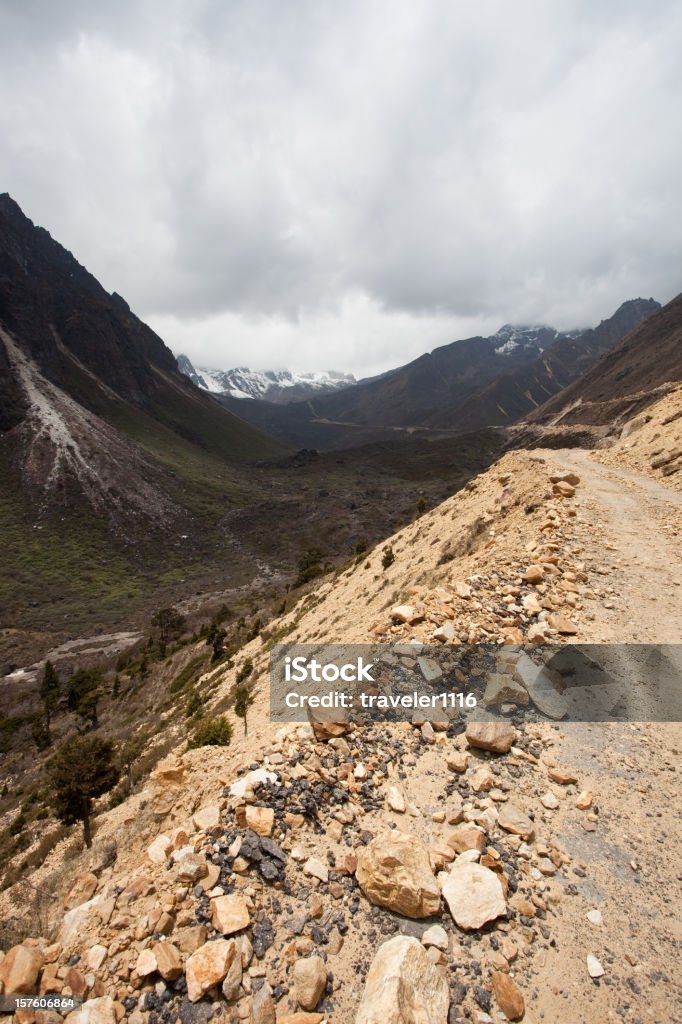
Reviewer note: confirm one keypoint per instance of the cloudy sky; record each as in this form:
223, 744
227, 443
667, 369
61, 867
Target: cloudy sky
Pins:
320, 184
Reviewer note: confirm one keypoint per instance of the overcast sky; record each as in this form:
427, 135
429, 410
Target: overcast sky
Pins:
345, 185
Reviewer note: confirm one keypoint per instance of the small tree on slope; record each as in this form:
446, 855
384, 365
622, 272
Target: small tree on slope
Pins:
82, 770
243, 699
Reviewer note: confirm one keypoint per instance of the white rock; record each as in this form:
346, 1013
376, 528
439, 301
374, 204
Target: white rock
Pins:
594, 968
435, 936
316, 868
404, 987
248, 782
474, 894
595, 918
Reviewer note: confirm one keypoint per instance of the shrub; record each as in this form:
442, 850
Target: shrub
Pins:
245, 671
388, 557
212, 732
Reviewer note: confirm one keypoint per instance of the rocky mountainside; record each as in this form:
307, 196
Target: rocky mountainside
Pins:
631, 376
478, 381
278, 386
318, 873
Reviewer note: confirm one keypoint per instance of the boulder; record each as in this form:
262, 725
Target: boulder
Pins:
310, 981
495, 736
406, 613
168, 960
94, 1011
394, 871
474, 895
82, 889
230, 914
263, 1006
146, 963
541, 684
207, 967
260, 820
513, 820
190, 866
20, 969
502, 689
206, 818
404, 986
160, 849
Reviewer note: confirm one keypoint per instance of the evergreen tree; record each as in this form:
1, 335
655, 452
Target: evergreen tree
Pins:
243, 699
49, 695
82, 770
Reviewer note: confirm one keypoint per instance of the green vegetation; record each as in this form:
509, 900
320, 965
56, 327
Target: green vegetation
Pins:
245, 671
243, 699
83, 694
82, 770
212, 732
387, 557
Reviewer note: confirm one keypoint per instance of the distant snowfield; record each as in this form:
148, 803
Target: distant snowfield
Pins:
245, 383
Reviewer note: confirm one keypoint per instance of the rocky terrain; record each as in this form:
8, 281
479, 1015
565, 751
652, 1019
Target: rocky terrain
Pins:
426, 871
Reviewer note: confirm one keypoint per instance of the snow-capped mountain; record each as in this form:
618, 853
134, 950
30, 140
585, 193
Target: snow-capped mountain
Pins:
280, 386
527, 340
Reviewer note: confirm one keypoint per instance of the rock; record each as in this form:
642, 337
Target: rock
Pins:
541, 684
430, 669
584, 800
82, 890
563, 489
458, 761
503, 689
445, 634
146, 963
463, 590
324, 731
436, 936
263, 1006
404, 987
310, 981
260, 820
495, 736
206, 818
396, 800
549, 800
595, 918
562, 776
233, 978
20, 969
95, 1011
406, 613
189, 866
531, 604
594, 968
394, 871
508, 995
568, 478
207, 967
249, 782
96, 956
466, 837
513, 820
534, 574
230, 914
562, 625
316, 868
168, 960
474, 895
160, 849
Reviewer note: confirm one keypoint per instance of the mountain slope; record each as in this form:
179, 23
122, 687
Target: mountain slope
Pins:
626, 380
517, 392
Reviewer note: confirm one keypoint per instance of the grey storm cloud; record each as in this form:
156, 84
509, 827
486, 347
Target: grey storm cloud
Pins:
320, 184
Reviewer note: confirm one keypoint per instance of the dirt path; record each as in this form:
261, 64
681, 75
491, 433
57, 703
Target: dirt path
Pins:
636, 524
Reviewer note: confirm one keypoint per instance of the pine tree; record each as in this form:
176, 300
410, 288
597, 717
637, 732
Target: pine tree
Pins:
49, 695
82, 770
243, 699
